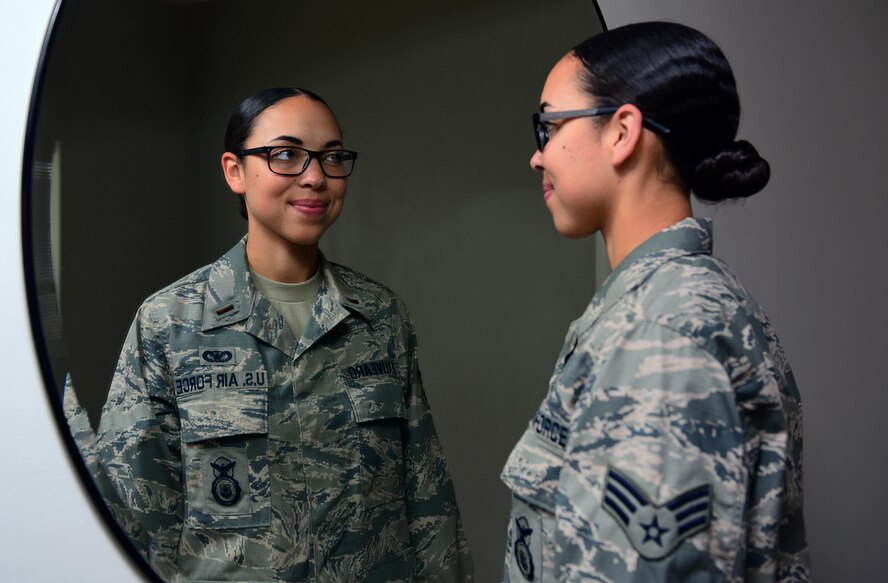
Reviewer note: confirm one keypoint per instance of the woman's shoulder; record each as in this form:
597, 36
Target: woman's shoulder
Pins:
226, 273
684, 279
699, 296
185, 285
186, 293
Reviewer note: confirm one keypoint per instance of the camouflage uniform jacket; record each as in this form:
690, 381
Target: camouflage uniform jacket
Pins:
246, 454
668, 447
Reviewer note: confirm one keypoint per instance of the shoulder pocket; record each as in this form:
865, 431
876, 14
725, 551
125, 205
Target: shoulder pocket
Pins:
373, 402
224, 451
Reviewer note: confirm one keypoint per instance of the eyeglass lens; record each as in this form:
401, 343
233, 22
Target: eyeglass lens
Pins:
292, 160
541, 132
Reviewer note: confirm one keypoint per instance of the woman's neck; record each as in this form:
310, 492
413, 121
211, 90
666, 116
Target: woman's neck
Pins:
639, 214
283, 262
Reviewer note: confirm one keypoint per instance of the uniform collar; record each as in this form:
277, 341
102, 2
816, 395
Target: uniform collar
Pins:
336, 293
230, 292
690, 236
231, 298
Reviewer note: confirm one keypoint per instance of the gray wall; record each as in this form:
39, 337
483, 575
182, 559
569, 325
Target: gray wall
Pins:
443, 207
812, 245
112, 103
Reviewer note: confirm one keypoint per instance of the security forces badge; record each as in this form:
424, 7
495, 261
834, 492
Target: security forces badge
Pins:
524, 542
523, 556
226, 489
655, 530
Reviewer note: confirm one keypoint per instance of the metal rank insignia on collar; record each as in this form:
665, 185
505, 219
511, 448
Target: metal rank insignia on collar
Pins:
226, 490
655, 530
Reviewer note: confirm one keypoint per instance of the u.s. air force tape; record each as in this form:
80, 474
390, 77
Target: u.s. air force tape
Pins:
551, 430
655, 530
219, 380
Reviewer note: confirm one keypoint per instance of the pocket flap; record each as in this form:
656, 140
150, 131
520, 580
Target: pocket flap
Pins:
377, 401
219, 413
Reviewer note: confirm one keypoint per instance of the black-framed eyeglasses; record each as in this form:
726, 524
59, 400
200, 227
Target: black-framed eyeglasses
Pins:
541, 122
293, 160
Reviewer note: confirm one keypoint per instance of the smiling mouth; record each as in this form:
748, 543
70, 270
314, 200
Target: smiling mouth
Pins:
310, 207
309, 202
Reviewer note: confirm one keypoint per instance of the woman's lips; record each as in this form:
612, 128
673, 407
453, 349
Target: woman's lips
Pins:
547, 191
312, 208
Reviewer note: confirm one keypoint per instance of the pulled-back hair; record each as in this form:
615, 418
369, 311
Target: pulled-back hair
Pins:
679, 77
243, 120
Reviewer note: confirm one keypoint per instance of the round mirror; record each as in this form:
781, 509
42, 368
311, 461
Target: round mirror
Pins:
126, 195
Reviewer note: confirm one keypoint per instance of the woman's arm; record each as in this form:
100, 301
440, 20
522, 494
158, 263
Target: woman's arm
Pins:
138, 444
436, 533
656, 481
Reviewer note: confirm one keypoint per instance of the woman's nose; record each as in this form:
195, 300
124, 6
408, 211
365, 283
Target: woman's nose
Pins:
313, 176
536, 161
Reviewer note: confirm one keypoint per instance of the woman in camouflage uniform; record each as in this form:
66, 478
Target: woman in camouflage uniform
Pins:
266, 421
668, 447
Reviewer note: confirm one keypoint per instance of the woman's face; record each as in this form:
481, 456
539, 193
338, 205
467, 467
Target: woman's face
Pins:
291, 209
576, 171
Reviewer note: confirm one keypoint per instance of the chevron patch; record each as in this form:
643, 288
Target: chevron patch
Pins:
655, 530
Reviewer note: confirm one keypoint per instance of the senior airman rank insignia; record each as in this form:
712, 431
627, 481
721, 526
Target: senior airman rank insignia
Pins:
655, 530
226, 490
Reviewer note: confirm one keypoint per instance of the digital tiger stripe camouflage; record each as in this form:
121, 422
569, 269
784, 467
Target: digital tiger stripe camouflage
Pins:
669, 445
247, 454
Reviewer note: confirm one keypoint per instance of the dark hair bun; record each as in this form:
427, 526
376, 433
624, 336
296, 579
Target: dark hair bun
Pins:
736, 172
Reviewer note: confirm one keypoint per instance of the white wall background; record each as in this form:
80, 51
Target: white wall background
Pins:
50, 532
812, 245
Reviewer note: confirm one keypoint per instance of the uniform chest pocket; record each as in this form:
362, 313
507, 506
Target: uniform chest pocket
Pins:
380, 414
225, 458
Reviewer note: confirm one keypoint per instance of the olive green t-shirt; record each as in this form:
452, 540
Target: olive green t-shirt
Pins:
293, 301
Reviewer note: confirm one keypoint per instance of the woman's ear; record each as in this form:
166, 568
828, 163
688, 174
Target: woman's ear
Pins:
234, 173
627, 129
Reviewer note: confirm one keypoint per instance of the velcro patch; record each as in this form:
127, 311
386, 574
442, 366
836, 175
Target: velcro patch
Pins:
218, 356
373, 368
655, 530
226, 488
219, 380
550, 430
524, 553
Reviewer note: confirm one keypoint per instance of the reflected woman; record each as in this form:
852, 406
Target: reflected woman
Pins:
668, 447
266, 421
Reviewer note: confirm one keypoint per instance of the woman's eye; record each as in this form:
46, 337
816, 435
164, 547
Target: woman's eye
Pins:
284, 154
336, 157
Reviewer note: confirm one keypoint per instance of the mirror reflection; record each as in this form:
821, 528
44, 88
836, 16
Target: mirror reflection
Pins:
442, 207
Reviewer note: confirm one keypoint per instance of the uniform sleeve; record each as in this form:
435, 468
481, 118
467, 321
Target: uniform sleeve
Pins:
138, 445
655, 481
436, 532
85, 439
